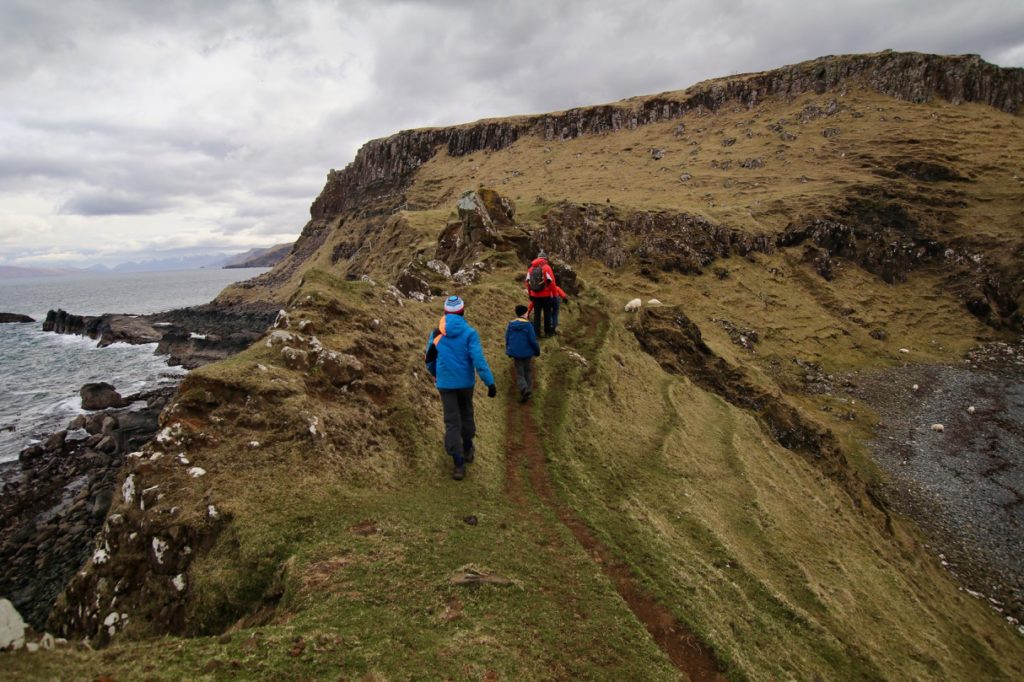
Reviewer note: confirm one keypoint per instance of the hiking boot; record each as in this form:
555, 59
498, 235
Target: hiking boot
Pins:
527, 393
469, 455
459, 472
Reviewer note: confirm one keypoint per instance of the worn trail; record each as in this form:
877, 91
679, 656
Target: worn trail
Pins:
524, 452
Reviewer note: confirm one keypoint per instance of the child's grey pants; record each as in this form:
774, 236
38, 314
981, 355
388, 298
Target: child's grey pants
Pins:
523, 378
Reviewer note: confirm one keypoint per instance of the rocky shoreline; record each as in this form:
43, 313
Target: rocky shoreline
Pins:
951, 441
190, 337
55, 497
53, 500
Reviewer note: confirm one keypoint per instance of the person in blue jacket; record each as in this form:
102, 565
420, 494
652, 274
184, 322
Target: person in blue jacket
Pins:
453, 353
521, 345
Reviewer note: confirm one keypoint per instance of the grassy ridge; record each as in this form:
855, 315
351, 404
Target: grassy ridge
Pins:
342, 558
753, 547
341, 547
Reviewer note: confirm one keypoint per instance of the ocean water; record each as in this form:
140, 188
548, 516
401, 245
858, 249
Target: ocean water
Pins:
41, 372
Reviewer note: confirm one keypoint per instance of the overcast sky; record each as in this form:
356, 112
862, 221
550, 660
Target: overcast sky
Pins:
145, 129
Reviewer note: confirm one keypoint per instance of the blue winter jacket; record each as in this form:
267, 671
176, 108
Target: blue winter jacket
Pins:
521, 339
458, 353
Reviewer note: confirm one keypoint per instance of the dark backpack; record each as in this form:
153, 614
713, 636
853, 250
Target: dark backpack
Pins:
535, 279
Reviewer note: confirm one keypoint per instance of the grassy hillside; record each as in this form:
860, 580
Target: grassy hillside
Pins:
679, 477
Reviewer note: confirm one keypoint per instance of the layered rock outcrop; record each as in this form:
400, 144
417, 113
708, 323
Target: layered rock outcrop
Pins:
662, 240
381, 169
896, 247
483, 216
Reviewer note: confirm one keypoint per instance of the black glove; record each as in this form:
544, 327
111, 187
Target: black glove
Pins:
492, 391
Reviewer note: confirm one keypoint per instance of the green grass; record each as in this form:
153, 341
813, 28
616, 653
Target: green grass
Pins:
752, 547
767, 559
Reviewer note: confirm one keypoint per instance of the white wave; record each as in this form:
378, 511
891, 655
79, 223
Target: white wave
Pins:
118, 345
69, 339
66, 406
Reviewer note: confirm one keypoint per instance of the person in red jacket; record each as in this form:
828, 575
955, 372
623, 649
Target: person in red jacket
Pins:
557, 300
556, 303
540, 285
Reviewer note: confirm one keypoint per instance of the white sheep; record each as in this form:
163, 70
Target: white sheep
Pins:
634, 305
938, 428
970, 410
653, 303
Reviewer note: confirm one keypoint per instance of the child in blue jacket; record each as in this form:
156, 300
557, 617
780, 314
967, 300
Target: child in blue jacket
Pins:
521, 345
453, 355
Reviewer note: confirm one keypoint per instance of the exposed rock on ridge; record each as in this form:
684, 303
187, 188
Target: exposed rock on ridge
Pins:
892, 250
382, 167
661, 240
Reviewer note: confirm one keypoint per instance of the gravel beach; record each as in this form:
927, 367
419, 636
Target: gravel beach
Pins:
963, 484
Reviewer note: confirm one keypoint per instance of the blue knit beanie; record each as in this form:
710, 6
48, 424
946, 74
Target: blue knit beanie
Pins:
454, 304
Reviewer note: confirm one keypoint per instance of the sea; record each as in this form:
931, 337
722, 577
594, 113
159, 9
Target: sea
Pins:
42, 372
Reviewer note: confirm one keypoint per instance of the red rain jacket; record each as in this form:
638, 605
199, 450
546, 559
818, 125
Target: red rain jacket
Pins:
549, 277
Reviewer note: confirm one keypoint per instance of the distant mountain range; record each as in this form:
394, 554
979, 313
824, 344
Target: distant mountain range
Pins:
253, 258
260, 258
11, 272
208, 260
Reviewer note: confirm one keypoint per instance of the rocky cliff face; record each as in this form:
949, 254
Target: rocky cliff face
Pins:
381, 169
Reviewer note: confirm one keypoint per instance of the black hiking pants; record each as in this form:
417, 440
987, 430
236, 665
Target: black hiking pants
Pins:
459, 427
543, 304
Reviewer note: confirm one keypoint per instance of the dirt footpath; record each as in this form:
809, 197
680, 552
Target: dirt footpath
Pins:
964, 485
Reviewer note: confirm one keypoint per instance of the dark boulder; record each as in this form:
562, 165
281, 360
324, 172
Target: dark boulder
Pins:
100, 396
31, 453
55, 442
63, 322
14, 317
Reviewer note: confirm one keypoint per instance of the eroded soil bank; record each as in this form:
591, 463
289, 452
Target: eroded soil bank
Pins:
964, 485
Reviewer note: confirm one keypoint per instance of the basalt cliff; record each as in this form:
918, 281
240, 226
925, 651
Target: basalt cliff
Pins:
738, 476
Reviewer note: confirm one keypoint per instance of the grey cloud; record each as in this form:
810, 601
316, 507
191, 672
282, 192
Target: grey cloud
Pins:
255, 158
103, 204
15, 166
